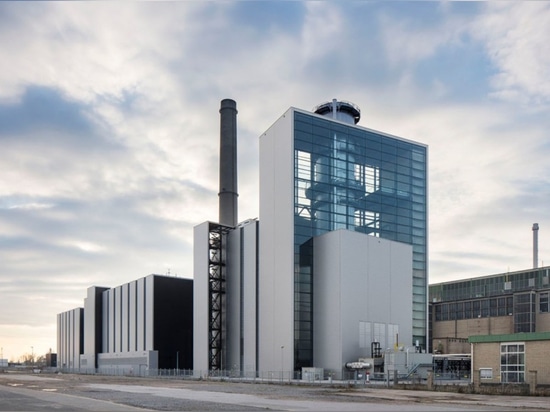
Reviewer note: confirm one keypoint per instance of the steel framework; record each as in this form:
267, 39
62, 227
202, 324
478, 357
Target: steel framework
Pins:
216, 292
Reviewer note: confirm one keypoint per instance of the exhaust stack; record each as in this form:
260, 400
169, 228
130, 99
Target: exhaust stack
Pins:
535, 245
228, 164
343, 111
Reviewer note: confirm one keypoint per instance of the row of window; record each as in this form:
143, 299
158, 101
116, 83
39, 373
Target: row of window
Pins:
353, 139
303, 208
502, 306
474, 309
355, 172
489, 286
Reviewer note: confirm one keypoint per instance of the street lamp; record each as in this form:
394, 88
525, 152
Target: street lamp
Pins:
32, 355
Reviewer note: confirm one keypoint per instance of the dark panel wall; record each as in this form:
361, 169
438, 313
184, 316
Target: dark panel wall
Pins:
173, 322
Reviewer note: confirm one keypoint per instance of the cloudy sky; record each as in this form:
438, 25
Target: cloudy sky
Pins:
109, 129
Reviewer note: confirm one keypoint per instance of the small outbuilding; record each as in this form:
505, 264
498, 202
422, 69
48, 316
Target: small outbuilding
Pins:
511, 358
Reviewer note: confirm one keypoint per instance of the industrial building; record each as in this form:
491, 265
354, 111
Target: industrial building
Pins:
511, 358
70, 338
501, 323
506, 303
337, 260
138, 327
333, 273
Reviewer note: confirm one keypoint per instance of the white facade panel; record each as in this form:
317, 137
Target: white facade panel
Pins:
241, 297
93, 326
70, 345
139, 363
125, 314
363, 291
276, 254
89, 322
200, 297
140, 327
133, 313
234, 300
118, 318
249, 290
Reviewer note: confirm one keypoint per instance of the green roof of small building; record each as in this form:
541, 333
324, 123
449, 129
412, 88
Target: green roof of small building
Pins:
511, 337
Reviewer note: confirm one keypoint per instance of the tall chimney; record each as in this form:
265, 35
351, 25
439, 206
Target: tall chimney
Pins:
535, 245
228, 163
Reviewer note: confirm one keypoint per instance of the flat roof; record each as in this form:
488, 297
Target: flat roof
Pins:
510, 337
485, 277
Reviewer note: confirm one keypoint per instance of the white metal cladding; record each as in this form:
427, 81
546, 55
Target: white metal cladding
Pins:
69, 325
133, 314
140, 318
200, 297
360, 281
241, 284
125, 314
128, 317
276, 250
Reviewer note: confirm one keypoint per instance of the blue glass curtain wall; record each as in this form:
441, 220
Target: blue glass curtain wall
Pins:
346, 177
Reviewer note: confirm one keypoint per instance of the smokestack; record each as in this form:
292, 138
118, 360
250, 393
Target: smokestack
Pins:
535, 245
228, 163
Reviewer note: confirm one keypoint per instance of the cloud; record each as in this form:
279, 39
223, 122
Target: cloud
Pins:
109, 126
516, 38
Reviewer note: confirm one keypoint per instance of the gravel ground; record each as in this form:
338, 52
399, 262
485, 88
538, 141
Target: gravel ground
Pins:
193, 395
87, 386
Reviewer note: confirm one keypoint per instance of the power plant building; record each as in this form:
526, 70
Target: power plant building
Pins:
333, 271
327, 187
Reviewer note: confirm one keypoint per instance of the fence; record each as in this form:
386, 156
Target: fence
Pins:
347, 377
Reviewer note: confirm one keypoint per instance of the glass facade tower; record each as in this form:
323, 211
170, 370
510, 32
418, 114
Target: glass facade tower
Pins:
349, 177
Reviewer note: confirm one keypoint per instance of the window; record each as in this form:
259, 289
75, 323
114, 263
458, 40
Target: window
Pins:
524, 312
543, 302
486, 373
512, 362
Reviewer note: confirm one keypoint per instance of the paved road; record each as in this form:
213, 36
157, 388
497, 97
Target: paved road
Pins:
99, 393
22, 399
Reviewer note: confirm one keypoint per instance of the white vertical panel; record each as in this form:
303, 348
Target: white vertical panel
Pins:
357, 280
249, 315
200, 297
133, 311
58, 333
327, 303
276, 287
118, 319
125, 326
112, 316
140, 304
71, 339
233, 300
380, 334
365, 335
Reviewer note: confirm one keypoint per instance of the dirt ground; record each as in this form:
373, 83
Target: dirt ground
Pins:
140, 392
